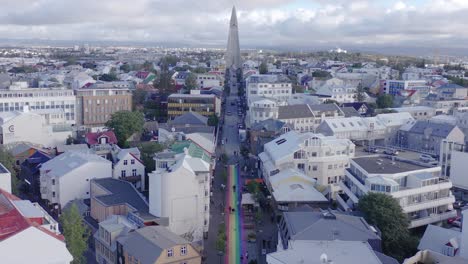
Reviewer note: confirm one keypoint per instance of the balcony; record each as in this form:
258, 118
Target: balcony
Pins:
432, 219
348, 192
428, 204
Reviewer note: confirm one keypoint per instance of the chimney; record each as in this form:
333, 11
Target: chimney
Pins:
464, 235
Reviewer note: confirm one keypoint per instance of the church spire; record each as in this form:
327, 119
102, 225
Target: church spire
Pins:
233, 58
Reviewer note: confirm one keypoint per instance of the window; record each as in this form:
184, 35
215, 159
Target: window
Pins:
314, 168
170, 253
53, 181
134, 172
53, 194
330, 167
183, 250
132, 161
125, 162
123, 173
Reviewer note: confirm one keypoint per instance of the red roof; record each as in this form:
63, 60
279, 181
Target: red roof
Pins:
12, 221
93, 138
142, 74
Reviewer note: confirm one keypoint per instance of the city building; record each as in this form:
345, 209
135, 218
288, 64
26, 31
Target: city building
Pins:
209, 80
265, 131
67, 177
26, 227
30, 174
117, 197
417, 112
274, 87
204, 104
427, 136
321, 158
335, 251
94, 106
446, 106
398, 87
452, 91
128, 166
105, 239
5, 178
27, 126
233, 55
453, 160
306, 117
420, 190
180, 192
155, 245
19, 95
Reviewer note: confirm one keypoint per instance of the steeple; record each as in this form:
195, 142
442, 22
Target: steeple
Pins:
233, 58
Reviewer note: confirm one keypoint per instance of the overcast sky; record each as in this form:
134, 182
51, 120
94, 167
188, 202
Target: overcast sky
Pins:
262, 23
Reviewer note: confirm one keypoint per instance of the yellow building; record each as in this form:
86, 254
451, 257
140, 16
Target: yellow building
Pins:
156, 245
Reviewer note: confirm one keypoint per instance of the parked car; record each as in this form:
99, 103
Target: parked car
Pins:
392, 152
426, 158
457, 223
458, 204
371, 149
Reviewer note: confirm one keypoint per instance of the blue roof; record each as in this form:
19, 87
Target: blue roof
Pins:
451, 86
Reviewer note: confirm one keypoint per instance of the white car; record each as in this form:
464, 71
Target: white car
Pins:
426, 158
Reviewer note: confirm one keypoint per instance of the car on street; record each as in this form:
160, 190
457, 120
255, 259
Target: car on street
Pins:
451, 220
228, 113
392, 152
233, 104
426, 158
457, 223
371, 149
240, 126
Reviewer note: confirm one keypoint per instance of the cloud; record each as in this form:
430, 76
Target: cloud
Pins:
262, 23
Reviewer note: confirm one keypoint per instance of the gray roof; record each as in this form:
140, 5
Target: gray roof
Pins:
386, 166
385, 259
123, 192
314, 226
435, 129
350, 111
273, 125
147, 243
189, 129
325, 107
294, 111
191, 118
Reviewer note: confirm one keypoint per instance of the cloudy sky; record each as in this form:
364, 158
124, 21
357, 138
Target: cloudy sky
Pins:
262, 23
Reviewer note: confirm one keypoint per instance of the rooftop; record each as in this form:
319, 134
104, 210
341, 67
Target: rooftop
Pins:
383, 165
69, 161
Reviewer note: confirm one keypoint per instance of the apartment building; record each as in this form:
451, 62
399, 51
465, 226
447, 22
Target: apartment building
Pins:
180, 192
155, 245
396, 87
306, 117
422, 193
446, 106
105, 239
319, 157
207, 80
453, 160
46, 100
276, 87
203, 104
94, 106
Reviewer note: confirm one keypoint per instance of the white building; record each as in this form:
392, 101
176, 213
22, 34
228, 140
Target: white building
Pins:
19, 95
261, 109
5, 178
319, 157
417, 112
67, 177
421, 192
396, 87
180, 192
129, 167
25, 126
305, 117
206, 80
276, 87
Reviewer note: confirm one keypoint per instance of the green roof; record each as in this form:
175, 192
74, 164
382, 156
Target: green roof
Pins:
193, 150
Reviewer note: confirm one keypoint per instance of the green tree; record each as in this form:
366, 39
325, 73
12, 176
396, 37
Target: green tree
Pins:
147, 151
75, 232
191, 81
7, 159
385, 212
125, 67
164, 83
125, 124
147, 66
330, 101
199, 70
321, 74
360, 93
108, 77
263, 68
384, 101
139, 97
213, 120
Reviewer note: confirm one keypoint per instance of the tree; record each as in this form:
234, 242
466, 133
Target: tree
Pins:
360, 93
147, 151
139, 97
385, 212
125, 124
125, 67
191, 81
75, 232
384, 101
108, 77
213, 120
7, 159
199, 70
165, 83
330, 101
321, 74
263, 68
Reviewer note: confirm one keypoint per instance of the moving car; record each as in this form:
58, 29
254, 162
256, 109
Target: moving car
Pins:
371, 149
392, 152
458, 204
